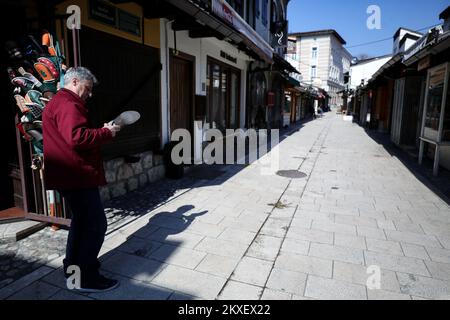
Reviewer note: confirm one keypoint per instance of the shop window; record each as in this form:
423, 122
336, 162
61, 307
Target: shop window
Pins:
287, 103
224, 100
215, 115
223, 95
446, 124
234, 100
258, 95
433, 112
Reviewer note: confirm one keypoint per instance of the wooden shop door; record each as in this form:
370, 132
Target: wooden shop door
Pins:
181, 91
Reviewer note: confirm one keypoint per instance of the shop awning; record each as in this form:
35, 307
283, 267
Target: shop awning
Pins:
223, 19
294, 82
283, 65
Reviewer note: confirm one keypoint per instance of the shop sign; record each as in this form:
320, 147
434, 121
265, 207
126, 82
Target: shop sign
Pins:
226, 56
222, 9
102, 12
437, 76
129, 23
426, 40
424, 63
106, 13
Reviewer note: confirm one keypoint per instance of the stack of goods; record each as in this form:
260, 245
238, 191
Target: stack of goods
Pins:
36, 71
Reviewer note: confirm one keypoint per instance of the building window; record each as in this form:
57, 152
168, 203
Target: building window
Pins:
313, 72
251, 13
314, 52
264, 12
257, 9
237, 6
292, 49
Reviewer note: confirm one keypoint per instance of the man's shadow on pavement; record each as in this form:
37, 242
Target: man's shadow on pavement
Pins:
145, 253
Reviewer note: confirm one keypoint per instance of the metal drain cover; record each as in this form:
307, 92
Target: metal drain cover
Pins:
292, 174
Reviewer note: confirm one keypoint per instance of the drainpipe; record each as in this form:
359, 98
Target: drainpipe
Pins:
166, 39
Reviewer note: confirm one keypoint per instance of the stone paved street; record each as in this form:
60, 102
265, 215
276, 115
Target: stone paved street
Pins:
18, 258
245, 235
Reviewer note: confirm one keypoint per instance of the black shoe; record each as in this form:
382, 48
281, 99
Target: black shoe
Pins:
99, 284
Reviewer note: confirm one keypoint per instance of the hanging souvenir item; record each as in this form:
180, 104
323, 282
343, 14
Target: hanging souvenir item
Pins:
35, 70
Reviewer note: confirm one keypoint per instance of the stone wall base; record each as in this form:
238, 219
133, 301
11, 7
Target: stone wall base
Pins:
123, 177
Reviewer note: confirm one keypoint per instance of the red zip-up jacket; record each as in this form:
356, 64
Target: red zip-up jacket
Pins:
72, 158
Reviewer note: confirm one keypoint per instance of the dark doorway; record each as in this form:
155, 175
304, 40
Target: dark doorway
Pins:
181, 91
11, 193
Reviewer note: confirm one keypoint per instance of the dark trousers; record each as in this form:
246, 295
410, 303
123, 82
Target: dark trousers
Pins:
87, 231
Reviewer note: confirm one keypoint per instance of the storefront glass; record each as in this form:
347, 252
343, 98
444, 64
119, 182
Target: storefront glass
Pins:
258, 93
433, 112
234, 100
215, 97
221, 118
298, 108
223, 94
446, 125
434, 102
287, 103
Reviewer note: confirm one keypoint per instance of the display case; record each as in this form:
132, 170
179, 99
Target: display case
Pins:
436, 116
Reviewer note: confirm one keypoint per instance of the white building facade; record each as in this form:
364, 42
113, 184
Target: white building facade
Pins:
362, 71
322, 60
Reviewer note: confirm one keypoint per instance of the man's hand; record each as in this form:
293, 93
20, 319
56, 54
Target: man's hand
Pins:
114, 128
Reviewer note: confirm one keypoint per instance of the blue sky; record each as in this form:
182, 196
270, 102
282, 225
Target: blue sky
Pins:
349, 19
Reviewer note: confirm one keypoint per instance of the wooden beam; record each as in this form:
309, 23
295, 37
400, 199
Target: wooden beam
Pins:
52, 220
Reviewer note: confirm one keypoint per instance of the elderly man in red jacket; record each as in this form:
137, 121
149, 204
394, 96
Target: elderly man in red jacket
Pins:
73, 165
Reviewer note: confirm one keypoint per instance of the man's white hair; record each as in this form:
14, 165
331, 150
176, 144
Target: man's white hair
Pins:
80, 73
